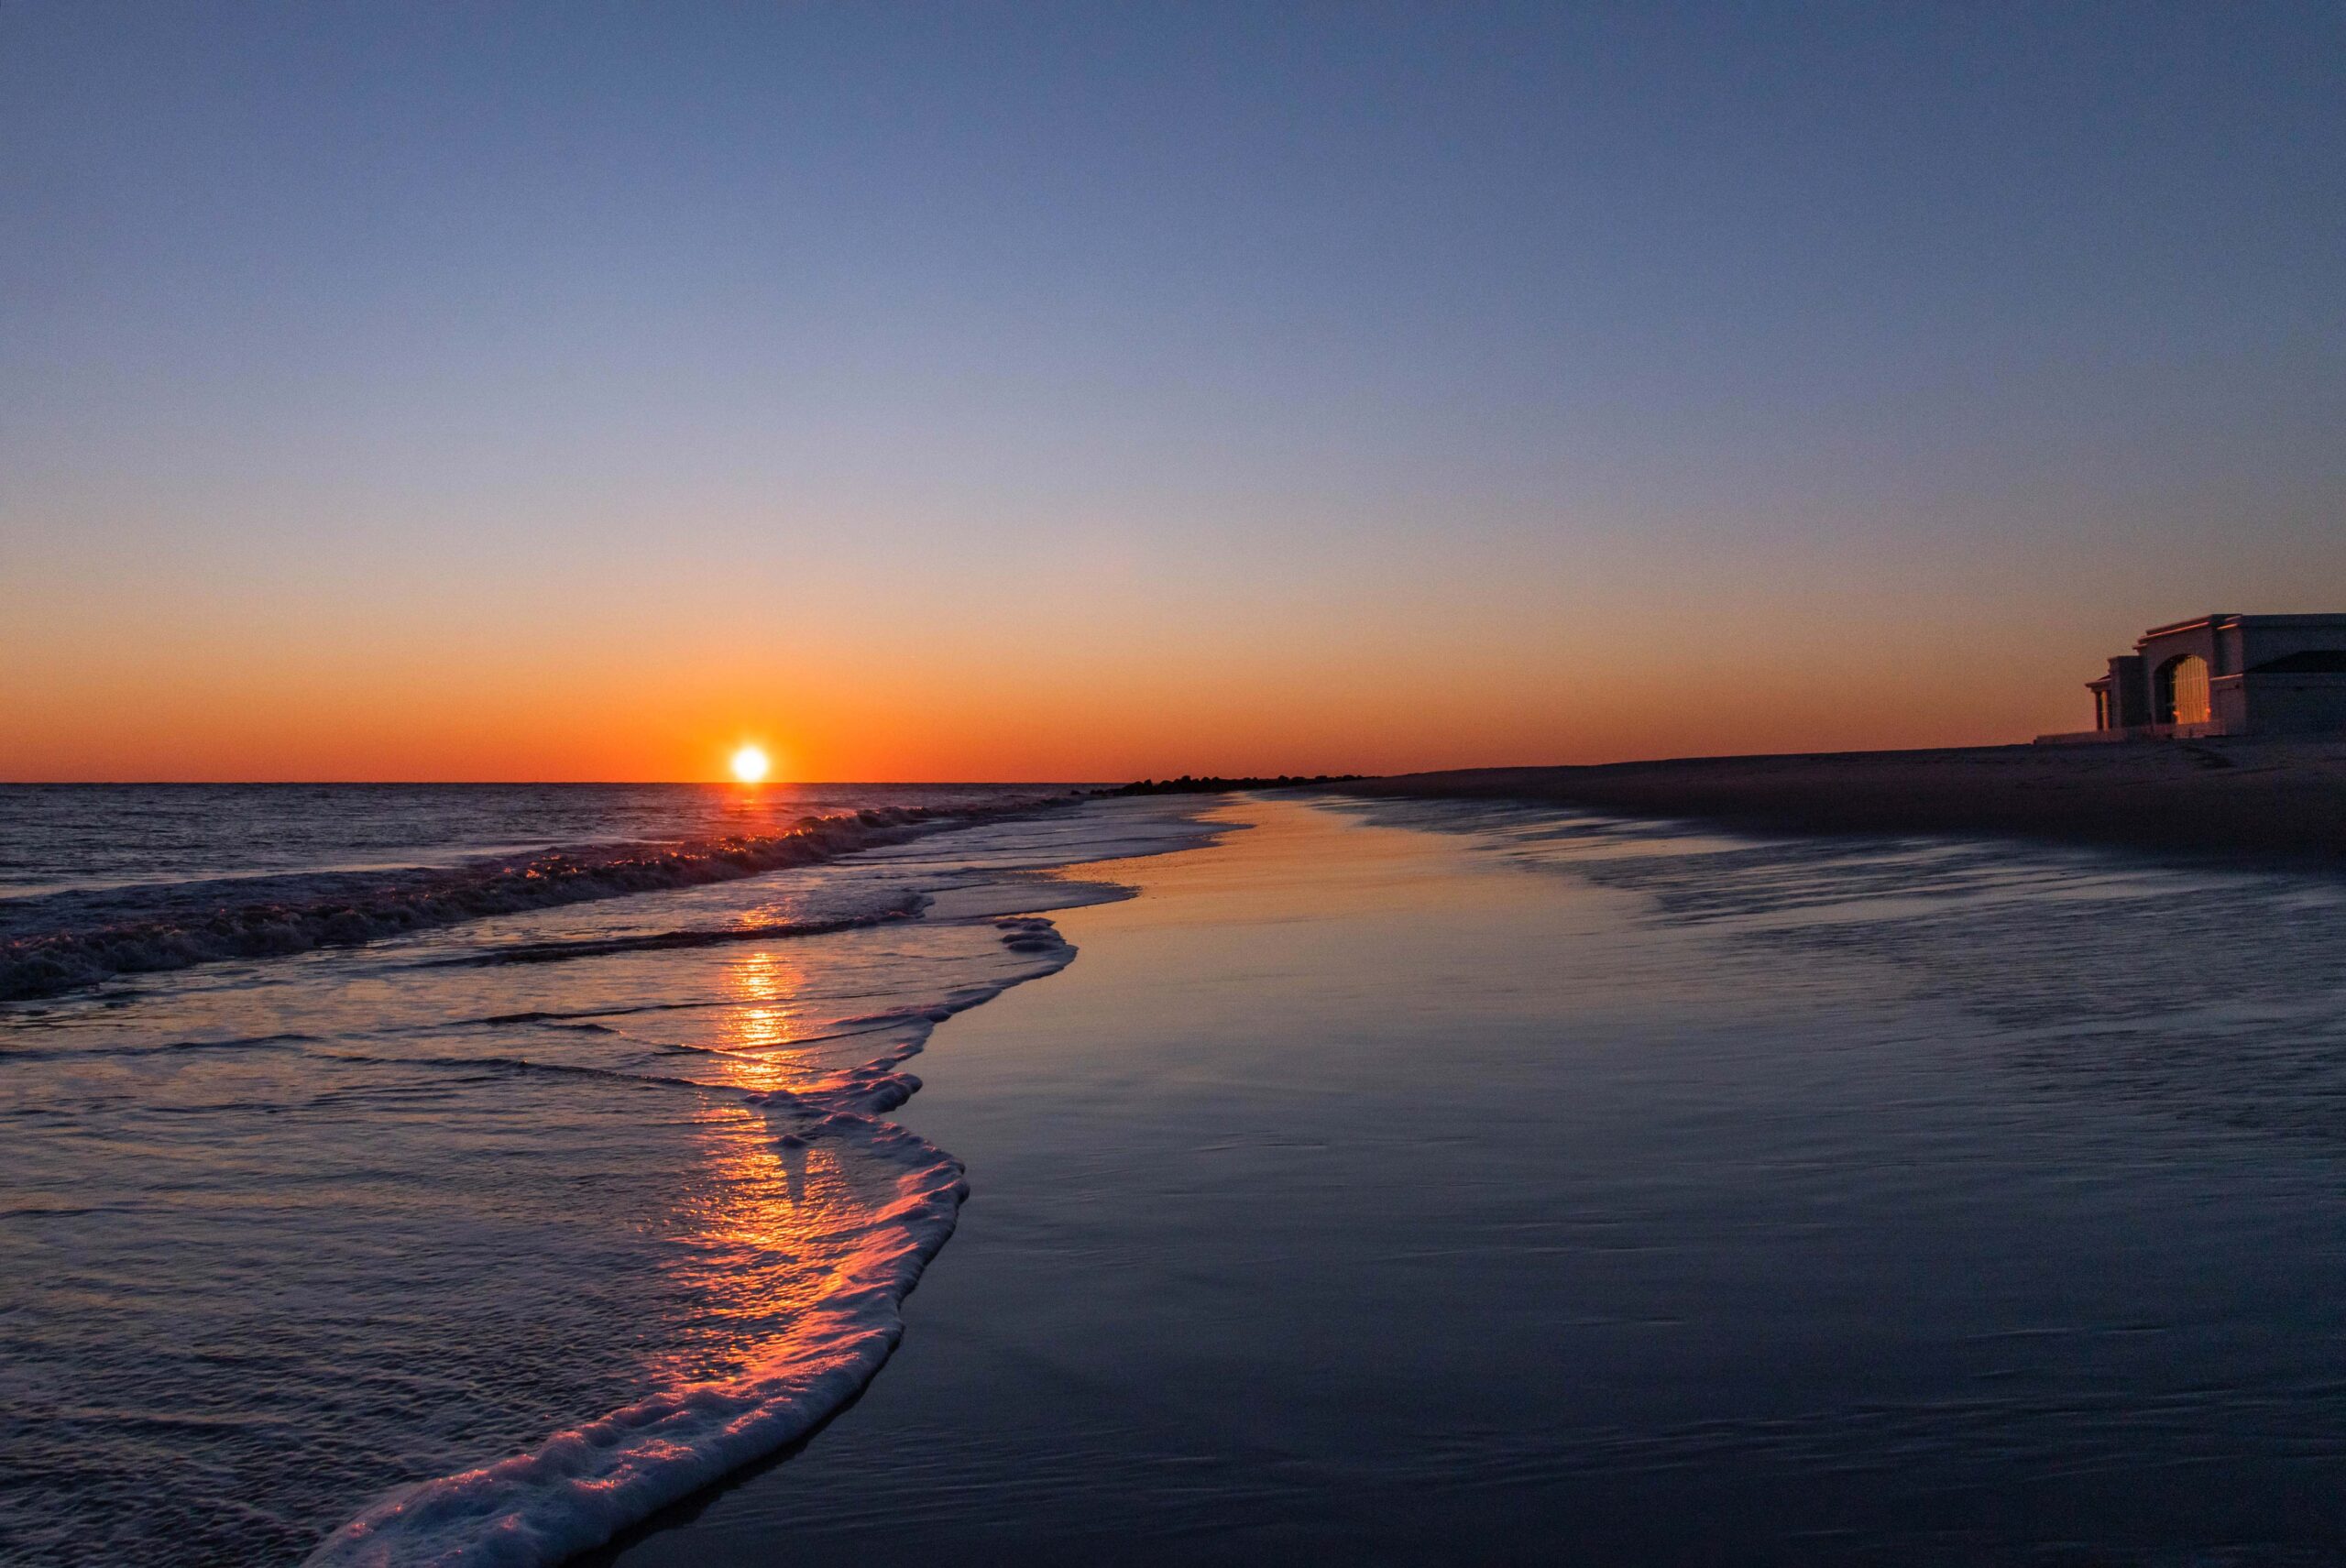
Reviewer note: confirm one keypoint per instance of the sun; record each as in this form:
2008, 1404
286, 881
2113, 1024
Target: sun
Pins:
749, 764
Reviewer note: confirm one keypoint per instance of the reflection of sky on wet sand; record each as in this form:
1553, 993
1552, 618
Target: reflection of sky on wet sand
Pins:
1441, 1196
2203, 993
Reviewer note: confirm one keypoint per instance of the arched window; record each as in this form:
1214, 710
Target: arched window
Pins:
2180, 690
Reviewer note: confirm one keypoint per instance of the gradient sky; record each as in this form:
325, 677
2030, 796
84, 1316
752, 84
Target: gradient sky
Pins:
463, 391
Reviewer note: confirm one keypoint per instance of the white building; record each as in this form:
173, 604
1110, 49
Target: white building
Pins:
2227, 674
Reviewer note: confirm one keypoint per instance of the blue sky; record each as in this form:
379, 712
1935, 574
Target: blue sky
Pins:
1705, 344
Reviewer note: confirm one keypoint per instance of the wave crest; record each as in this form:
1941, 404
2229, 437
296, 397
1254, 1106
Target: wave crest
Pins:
338, 910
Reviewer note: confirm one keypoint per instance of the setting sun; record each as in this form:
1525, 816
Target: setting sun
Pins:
749, 764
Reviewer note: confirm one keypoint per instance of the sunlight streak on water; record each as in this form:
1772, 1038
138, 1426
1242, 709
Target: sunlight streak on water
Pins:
290, 1234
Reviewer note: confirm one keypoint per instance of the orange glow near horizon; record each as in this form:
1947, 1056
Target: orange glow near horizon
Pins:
750, 765
1138, 692
1104, 724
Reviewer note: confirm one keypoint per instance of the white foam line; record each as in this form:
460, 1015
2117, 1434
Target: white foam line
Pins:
581, 1487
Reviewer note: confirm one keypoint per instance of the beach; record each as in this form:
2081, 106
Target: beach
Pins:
1001, 1177
741, 820
1404, 1181
2248, 800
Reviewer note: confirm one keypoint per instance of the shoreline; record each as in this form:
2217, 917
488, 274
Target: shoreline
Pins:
1358, 1197
2271, 802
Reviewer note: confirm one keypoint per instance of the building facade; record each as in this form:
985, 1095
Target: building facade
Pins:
2227, 674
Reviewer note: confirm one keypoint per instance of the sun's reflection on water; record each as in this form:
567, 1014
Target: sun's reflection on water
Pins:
763, 1233
768, 1220
764, 1020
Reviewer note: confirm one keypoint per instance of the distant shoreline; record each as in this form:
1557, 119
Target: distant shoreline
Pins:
2235, 801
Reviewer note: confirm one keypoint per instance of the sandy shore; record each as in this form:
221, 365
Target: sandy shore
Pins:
2236, 800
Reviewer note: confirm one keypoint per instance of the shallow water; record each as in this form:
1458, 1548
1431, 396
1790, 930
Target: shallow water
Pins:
288, 1235
1430, 1182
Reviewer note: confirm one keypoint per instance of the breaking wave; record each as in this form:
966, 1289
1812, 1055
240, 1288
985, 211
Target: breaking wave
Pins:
87, 942
691, 936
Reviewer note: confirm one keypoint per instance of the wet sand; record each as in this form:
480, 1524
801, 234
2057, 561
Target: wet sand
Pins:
2276, 801
1458, 1187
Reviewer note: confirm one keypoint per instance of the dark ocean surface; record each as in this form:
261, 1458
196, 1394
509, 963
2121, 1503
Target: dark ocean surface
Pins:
1394, 1183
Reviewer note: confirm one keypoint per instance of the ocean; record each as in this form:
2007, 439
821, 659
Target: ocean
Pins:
412, 1173
466, 1176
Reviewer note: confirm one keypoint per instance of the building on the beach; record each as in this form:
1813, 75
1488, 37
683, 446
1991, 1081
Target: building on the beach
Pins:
2226, 675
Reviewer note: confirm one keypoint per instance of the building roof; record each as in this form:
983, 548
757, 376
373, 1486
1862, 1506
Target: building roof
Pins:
2229, 618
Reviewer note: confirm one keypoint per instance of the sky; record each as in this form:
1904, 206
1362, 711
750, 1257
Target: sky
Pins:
935, 391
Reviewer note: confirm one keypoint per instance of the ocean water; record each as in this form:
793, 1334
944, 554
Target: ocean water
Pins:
417, 1174
1385, 1182
134, 879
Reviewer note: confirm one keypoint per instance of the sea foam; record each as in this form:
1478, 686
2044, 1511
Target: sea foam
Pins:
578, 1488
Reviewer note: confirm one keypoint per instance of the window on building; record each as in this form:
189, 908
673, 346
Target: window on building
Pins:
2180, 688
